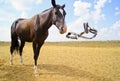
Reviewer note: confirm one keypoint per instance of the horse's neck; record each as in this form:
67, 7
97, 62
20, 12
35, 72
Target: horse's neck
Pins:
46, 18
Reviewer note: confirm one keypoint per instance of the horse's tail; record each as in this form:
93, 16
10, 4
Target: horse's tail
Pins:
14, 38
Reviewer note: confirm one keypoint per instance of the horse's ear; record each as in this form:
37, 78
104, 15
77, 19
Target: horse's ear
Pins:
53, 3
63, 6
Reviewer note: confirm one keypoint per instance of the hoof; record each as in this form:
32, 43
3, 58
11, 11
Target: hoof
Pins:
22, 63
35, 68
37, 74
11, 63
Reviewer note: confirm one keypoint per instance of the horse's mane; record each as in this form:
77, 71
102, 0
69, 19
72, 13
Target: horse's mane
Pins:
46, 10
42, 12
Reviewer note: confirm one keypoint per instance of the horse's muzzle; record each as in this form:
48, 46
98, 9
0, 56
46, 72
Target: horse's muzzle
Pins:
63, 30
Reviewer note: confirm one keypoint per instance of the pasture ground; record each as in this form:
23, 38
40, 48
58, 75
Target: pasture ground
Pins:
67, 61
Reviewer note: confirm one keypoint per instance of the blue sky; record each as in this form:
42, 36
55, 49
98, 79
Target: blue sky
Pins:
103, 15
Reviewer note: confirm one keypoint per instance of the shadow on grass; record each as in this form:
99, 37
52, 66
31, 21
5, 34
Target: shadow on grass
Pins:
16, 73
71, 72
25, 72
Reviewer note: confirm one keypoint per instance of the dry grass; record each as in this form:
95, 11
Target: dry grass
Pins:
68, 61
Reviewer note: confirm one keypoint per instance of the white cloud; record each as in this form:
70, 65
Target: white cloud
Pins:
97, 15
103, 34
38, 1
116, 8
117, 11
110, 33
22, 5
116, 25
110, 1
119, 34
76, 26
6, 19
4, 33
100, 4
24, 15
6, 16
3, 1
85, 14
81, 8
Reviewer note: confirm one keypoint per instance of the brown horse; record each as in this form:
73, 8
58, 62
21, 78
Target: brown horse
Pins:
35, 30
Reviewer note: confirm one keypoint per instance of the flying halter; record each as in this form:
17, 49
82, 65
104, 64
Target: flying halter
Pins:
87, 29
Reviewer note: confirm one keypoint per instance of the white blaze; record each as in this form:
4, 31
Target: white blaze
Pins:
61, 11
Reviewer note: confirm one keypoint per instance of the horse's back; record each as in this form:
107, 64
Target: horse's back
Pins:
22, 27
13, 26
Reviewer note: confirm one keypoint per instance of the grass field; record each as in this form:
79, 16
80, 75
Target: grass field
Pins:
66, 61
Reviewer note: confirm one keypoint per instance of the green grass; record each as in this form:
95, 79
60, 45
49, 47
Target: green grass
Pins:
64, 61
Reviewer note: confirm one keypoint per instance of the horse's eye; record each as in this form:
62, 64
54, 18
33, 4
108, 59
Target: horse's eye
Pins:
56, 13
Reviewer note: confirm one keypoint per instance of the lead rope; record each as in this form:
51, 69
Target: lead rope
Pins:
87, 30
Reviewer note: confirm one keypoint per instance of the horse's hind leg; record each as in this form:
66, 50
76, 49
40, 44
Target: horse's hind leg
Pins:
13, 47
11, 54
20, 51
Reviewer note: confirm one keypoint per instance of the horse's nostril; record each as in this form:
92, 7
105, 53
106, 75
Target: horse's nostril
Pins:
63, 30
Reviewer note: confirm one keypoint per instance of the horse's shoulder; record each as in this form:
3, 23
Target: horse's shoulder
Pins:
34, 17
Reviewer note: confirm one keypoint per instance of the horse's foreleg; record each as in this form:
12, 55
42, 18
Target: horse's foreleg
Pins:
20, 51
36, 48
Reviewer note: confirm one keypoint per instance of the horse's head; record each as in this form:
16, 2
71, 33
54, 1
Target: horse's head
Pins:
59, 17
